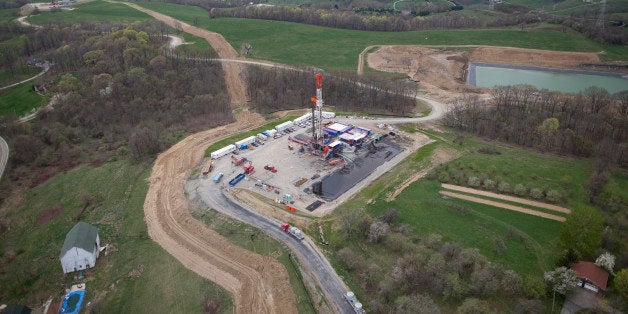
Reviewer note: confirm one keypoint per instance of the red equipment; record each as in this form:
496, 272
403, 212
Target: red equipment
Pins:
270, 168
247, 165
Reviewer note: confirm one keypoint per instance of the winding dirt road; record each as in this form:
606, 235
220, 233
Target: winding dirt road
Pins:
258, 284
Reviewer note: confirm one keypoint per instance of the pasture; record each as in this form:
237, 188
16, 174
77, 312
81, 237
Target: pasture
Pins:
338, 49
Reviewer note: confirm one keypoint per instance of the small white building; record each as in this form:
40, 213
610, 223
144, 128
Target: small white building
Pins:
80, 249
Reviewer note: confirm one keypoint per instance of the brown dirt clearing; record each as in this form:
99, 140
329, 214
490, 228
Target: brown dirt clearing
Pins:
506, 198
441, 72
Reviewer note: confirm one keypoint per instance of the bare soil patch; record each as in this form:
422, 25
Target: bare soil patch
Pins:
503, 205
442, 71
50, 213
506, 198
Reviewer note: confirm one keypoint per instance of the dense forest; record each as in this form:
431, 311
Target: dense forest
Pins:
278, 89
592, 124
116, 96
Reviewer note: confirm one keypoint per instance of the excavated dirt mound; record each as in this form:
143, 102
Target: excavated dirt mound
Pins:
442, 71
533, 57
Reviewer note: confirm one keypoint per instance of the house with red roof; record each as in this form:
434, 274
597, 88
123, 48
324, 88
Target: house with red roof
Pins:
592, 277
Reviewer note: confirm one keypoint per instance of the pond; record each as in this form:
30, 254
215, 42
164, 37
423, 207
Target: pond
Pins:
567, 81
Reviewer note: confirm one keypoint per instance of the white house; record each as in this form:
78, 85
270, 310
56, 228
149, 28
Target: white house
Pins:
80, 248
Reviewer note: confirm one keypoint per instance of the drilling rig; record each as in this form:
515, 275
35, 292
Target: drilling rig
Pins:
317, 109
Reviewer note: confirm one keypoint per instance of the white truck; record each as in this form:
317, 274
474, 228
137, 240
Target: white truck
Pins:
355, 304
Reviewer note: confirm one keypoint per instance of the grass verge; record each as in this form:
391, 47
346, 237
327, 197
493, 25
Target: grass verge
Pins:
235, 138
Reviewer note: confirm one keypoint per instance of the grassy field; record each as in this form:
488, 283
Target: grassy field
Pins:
7, 15
116, 210
93, 11
7, 78
307, 45
259, 242
529, 241
19, 100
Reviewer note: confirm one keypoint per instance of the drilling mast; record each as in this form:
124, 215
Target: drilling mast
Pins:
317, 109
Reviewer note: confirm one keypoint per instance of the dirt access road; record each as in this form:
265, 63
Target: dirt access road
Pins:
258, 284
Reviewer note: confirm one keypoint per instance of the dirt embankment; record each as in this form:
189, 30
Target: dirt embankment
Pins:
258, 284
442, 71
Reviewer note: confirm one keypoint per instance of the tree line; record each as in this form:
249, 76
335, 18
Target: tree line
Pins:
348, 19
593, 123
280, 89
118, 98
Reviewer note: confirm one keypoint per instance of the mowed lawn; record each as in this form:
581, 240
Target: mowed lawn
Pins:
137, 276
19, 100
330, 48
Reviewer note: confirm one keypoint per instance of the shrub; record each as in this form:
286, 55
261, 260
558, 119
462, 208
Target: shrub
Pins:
474, 181
443, 177
521, 189
536, 193
489, 184
350, 259
553, 196
503, 187
377, 231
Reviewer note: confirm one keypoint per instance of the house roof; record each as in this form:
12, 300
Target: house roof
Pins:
82, 235
592, 273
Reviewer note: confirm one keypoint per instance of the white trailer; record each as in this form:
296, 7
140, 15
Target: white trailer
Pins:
328, 114
246, 141
284, 126
271, 132
303, 118
262, 137
223, 151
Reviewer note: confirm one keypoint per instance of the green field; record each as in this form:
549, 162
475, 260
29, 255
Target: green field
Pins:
329, 48
529, 241
25, 72
93, 11
116, 209
19, 100
7, 15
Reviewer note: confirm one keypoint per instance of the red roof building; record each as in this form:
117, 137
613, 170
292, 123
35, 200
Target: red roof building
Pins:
592, 277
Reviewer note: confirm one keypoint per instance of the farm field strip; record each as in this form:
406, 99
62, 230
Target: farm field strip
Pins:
506, 198
503, 205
